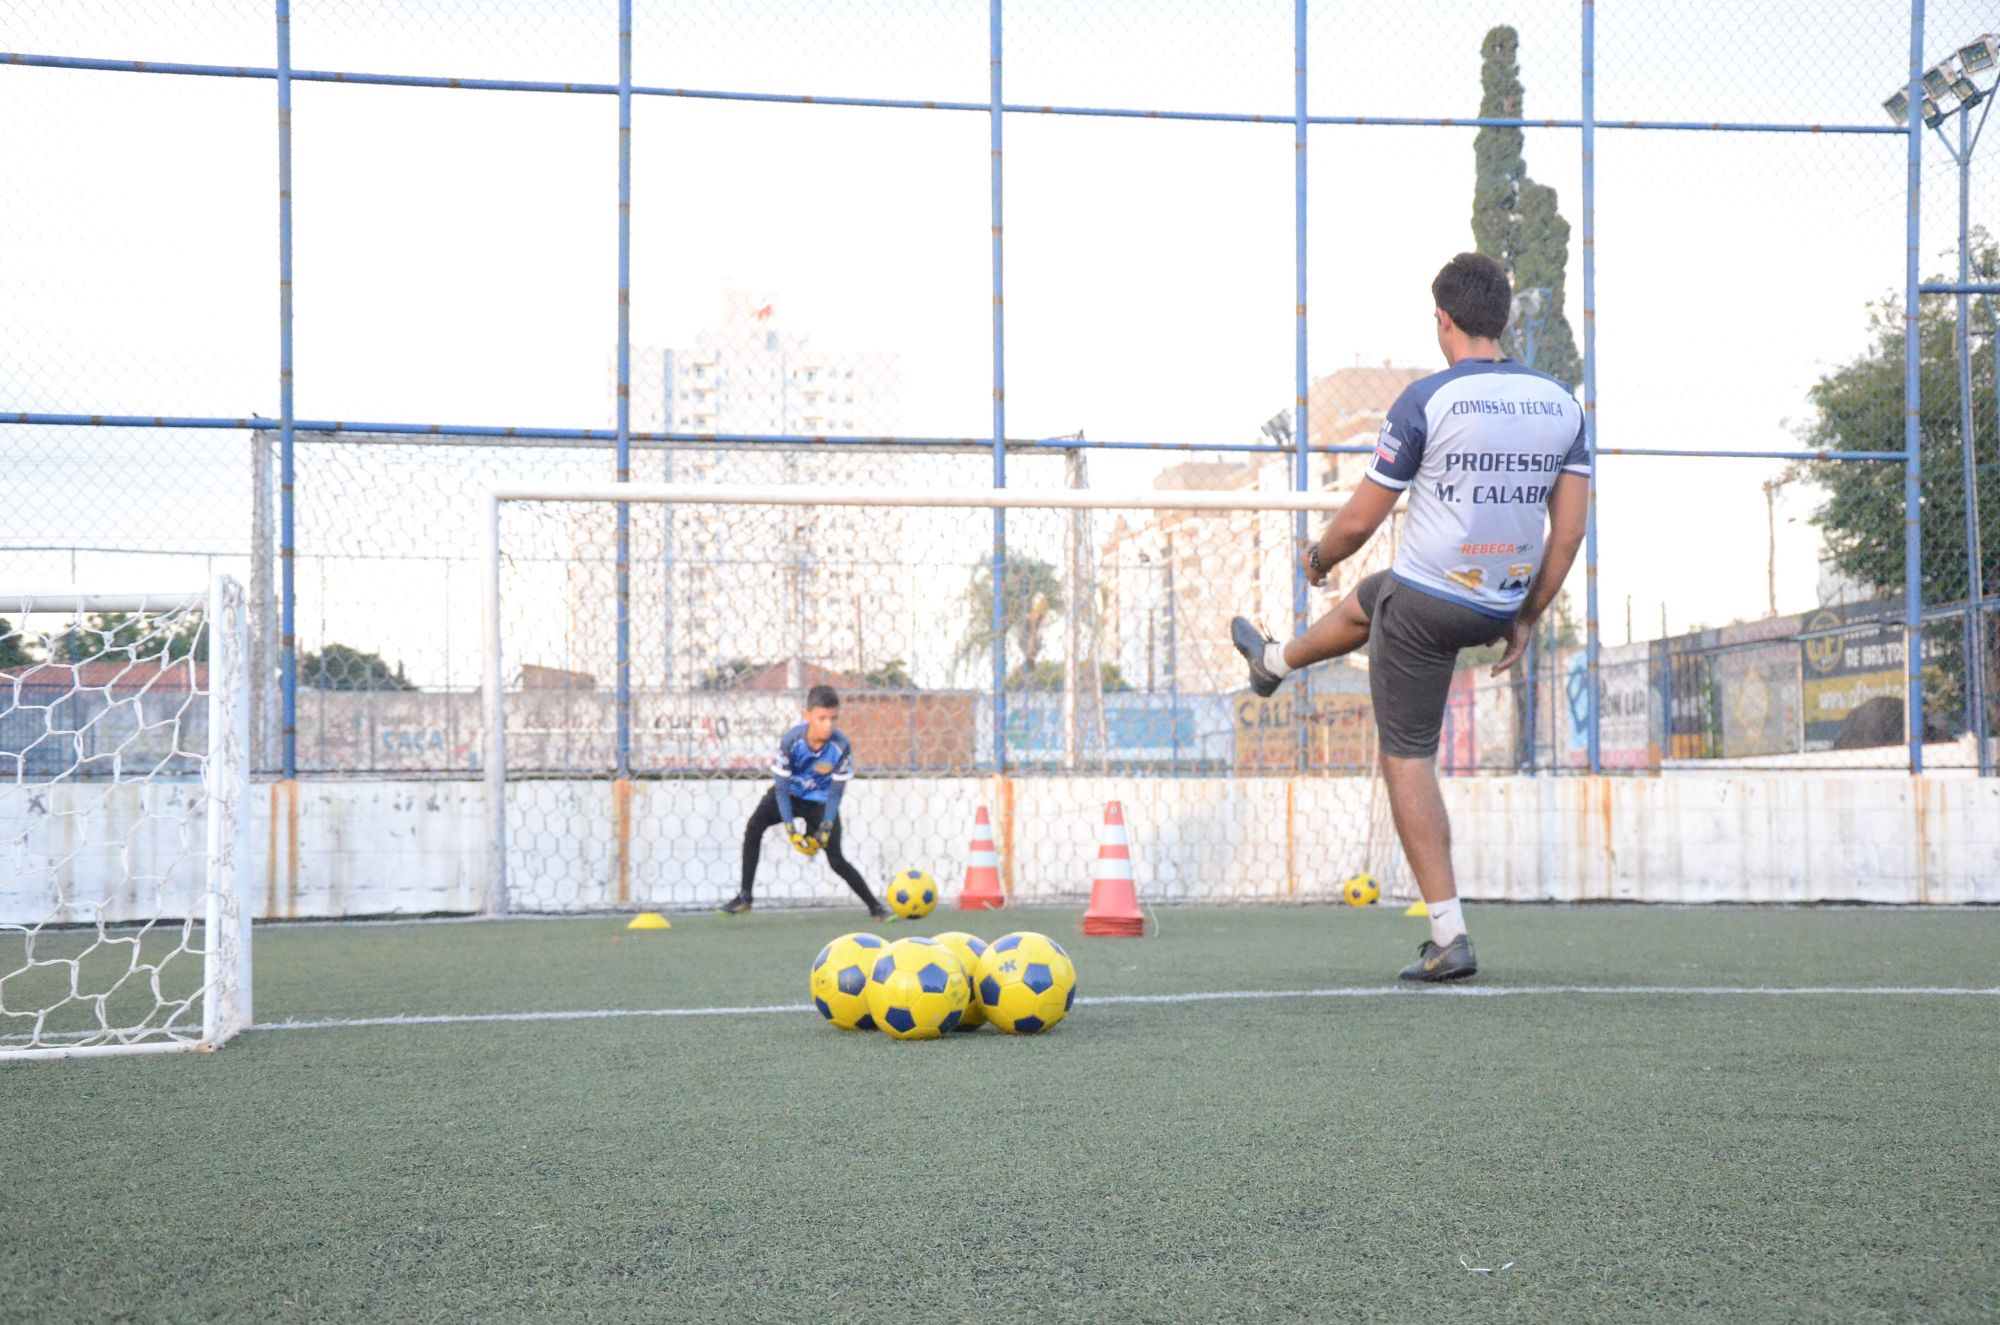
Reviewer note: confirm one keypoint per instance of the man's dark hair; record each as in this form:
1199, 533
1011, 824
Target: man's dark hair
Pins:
1474, 289
822, 697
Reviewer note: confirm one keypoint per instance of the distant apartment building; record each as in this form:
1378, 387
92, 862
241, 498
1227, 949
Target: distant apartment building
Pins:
751, 377
711, 585
1171, 582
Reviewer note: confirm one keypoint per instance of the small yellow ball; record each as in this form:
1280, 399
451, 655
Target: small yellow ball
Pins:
913, 894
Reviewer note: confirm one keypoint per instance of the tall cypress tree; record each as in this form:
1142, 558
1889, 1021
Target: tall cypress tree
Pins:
1544, 253
1515, 220
1496, 153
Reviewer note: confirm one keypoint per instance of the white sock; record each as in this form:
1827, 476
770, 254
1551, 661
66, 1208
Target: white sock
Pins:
1447, 922
1274, 659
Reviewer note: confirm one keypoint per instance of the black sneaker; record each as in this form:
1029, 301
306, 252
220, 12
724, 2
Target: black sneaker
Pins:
736, 905
1454, 961
881, 914
1250, 642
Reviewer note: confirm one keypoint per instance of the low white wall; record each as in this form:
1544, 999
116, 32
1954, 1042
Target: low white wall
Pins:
368, 847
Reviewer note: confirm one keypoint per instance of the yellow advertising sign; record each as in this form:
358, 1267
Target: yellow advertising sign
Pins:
1340, 732
1829, 699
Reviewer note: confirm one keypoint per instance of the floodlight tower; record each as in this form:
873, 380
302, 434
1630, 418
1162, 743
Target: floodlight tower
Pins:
1952, 89
1529, 315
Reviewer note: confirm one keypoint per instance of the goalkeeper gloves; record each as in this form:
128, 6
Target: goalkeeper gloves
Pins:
803, 842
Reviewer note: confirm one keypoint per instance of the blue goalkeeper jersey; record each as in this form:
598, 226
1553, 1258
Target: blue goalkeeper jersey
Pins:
805, 774
1479, 446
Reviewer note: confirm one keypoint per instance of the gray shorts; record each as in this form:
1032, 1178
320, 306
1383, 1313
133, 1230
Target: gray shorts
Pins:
1413, 643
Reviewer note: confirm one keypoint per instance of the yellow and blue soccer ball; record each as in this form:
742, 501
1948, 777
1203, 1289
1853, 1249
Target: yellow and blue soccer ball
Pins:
917, 990
1025, 983
1361, 890
968, 949
913, 894
840, 980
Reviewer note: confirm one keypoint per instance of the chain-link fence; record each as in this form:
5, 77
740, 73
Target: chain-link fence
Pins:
1015, 244
1114, 627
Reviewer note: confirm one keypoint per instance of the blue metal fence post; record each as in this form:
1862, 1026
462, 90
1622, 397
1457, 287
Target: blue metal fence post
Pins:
1975, 590
999, 565
288, 657
1173, 663
1591, 642
624, 385
1530, 668
1913, 591
1301, 387
1986, 736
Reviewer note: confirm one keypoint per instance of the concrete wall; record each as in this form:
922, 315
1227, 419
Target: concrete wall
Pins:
369, 847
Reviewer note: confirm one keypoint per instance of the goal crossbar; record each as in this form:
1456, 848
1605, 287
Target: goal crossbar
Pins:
66, 601
1071, 499
671, 494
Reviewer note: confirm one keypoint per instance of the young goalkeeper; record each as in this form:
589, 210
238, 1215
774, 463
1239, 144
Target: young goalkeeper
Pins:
815, 761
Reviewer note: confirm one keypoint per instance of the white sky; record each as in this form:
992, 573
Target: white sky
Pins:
455, 251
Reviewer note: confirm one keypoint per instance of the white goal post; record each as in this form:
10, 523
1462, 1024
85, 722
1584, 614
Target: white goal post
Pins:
551, 801
125, 880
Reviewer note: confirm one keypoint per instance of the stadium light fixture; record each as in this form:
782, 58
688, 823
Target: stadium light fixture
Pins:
1981, 56
1950, 85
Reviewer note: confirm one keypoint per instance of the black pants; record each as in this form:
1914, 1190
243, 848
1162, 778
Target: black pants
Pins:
766, 817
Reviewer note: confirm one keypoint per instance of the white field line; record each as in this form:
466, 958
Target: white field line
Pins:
1863, 910
1211, 996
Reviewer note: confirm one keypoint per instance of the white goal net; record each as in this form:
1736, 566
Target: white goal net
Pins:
124, 733
622, 771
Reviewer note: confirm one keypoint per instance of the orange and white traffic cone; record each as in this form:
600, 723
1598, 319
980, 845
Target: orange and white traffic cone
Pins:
1114, 902
982, 869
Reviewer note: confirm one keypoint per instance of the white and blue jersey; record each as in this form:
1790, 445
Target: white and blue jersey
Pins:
1480, 447
803, 773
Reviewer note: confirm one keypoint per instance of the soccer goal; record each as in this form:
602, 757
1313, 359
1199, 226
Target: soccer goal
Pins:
124, 784
646, 645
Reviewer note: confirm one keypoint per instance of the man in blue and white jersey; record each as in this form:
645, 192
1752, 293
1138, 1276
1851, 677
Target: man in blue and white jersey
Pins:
1495, 461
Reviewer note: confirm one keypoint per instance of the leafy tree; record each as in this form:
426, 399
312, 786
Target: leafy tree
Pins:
123, 637
1859, 407
891, 675
341, 667
13, 646
1049, 676
1515, 220
1031, 598
1041, 676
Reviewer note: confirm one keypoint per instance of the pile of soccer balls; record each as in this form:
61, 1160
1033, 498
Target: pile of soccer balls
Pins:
920, 988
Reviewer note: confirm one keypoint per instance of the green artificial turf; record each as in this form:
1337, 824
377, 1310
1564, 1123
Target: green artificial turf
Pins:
1635, 1156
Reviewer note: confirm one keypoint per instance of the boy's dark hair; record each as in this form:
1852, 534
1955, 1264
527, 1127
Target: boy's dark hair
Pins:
1474, 289
822, 697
